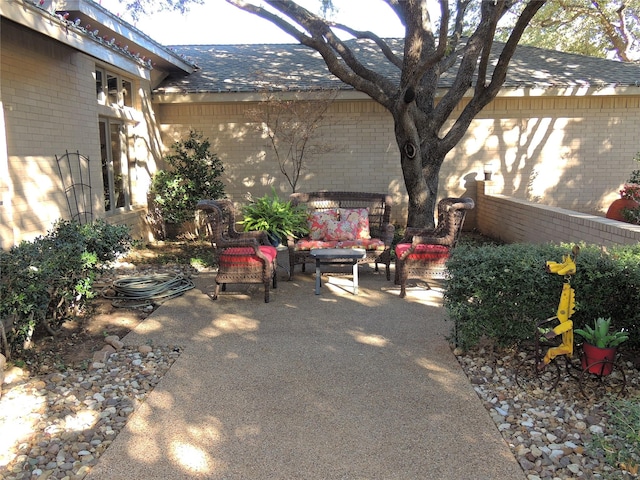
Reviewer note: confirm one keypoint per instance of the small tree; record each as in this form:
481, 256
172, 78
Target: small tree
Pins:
194, 175
292, 128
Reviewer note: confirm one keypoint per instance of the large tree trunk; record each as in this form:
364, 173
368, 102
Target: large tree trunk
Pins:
420, 159
420, 170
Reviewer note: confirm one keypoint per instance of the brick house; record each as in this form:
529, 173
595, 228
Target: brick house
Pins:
75, 78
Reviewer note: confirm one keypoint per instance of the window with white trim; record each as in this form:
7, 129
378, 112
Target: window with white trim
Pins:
113, 89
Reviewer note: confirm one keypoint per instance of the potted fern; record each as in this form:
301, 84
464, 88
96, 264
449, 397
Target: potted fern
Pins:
600, 346
279, 218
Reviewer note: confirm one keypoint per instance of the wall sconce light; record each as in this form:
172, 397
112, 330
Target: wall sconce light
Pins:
488, 171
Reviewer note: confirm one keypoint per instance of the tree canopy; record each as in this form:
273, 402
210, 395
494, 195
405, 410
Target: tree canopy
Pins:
598, 28
139, 8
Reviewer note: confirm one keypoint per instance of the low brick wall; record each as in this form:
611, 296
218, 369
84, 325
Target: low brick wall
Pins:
512, 220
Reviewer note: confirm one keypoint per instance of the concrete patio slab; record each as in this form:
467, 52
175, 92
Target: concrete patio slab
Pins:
331, 386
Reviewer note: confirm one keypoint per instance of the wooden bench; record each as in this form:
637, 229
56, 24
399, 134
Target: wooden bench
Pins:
337, 209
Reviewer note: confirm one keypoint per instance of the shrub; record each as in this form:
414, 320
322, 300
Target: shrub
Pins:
194, 175
48, 279
107, 241
501, 292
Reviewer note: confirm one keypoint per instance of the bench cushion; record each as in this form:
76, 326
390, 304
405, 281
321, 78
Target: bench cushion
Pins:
305, 244
246, 255
424, 251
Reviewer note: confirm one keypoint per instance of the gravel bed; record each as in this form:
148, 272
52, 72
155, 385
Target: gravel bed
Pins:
549, 432
56, 426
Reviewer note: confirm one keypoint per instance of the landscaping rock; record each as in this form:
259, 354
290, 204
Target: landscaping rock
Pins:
549, 432
42, 448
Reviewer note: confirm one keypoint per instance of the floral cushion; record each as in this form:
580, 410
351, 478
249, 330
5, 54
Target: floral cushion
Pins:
359, 218
339, 230
367, 244
317, 223
308, 244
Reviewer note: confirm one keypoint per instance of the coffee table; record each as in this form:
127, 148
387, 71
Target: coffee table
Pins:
337, 256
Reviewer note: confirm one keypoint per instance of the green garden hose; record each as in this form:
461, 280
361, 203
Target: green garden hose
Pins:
142, 291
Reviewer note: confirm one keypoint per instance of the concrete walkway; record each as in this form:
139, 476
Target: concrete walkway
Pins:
330, 386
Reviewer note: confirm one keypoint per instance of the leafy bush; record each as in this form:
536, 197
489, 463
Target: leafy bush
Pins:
46, 280
631, 215
501, 292
107, 241
193, 176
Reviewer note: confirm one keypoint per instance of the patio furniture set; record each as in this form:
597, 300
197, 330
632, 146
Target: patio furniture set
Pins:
345, 228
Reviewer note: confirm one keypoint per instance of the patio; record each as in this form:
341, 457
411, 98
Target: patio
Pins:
308, 386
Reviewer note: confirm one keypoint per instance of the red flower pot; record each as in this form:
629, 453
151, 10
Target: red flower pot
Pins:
598, 360
615, 209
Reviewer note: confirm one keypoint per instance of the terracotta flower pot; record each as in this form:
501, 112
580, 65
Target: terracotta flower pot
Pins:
615, 209
598, 360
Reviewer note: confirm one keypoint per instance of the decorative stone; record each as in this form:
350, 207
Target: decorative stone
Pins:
111, 338
116, 344
596, 429
53, 452
100, 357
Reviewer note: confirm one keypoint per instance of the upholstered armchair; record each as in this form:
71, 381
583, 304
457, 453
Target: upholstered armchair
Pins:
424, 252
243, 257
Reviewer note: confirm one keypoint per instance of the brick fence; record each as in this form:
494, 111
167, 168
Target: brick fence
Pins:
512, 220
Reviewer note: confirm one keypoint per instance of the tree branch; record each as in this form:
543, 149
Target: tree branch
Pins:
615, 36
493, 13
483, 96
340, 60
384, 47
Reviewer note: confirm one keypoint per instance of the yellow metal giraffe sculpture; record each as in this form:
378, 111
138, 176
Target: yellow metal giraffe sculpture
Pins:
566, 307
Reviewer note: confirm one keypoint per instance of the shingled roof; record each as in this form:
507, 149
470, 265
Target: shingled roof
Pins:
281, 67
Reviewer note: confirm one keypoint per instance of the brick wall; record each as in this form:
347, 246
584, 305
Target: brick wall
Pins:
49, 104
569, 152
45, 96
359, 135
514, 220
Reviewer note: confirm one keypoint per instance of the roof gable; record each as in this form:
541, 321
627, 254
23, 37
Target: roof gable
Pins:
90, 28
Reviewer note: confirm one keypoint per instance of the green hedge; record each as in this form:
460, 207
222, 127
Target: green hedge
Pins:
500, 292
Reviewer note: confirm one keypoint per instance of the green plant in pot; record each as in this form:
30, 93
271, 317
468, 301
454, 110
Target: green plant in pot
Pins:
600, 346
193, 175
279, 218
